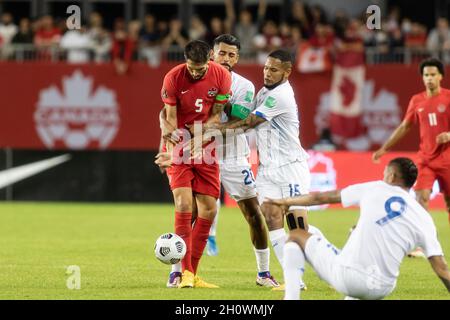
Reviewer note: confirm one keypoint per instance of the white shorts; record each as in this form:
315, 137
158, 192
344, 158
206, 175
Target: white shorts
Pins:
290, 180
350, 281
237, 179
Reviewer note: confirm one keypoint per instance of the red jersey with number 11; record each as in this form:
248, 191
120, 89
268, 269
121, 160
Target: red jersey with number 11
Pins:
433, 115
195, 98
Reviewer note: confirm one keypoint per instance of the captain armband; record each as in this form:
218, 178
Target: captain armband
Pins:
223, 98
239, 111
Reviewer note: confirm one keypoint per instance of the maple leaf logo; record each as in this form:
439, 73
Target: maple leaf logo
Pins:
78, 116
313, 57
380, 110
347, 88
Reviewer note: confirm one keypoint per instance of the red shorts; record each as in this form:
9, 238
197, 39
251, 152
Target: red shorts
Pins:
429, 171
201, 178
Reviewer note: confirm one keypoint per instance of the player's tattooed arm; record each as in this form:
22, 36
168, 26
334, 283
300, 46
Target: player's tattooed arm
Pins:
308, 199
228, 128
236, 111
171, 118
167, 130
227, 109
215, 114
440, 267
443, 137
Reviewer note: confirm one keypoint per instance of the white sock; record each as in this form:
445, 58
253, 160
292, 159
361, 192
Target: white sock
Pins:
176, 267
212, 231
316, 231
278, 238
262, 259
294, 263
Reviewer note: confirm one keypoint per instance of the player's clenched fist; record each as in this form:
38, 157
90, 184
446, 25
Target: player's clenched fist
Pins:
164, 160
377, 155
443, 137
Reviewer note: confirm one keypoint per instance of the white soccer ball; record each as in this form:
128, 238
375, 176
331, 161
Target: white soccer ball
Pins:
170, 248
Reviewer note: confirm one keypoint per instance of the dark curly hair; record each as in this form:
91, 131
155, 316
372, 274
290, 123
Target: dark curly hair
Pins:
432, 62
407, 170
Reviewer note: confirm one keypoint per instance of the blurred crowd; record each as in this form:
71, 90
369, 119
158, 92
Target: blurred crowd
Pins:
155, 39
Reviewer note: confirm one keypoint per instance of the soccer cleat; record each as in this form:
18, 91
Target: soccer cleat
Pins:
174, 280
282, 287
200, 283
417, 253
187, 280
211, 245
266, 280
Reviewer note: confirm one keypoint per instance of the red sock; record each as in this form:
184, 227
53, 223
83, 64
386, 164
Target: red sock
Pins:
183, 228
200, 234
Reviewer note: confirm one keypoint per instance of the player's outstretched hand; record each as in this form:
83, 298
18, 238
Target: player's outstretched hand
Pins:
282, 203
443, 137
163, 160
377, 155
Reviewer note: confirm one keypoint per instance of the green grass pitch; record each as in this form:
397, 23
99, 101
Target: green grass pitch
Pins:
113, 246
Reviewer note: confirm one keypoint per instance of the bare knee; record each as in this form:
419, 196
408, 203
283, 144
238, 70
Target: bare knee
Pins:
298, 237
423, 197
273, 217
208, 213
295, 239
183, 204
206, 207
252, 213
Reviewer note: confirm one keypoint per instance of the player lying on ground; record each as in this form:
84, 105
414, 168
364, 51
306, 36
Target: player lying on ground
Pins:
391, 224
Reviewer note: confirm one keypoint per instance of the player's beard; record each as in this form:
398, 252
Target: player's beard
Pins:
230, 68
273, 86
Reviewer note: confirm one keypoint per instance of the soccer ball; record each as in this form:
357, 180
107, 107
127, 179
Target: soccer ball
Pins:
170, 248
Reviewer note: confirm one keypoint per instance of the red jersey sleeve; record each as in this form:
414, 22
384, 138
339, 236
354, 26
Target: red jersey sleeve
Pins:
410, 115
168, 90
225, 89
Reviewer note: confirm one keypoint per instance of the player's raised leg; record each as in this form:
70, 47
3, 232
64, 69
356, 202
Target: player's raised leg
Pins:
423, 197
294, 257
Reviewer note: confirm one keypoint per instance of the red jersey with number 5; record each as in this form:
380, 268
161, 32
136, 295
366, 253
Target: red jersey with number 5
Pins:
433, 115
195, 98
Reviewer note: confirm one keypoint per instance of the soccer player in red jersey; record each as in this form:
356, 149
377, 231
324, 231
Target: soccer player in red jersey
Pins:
431, 109
194, 91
